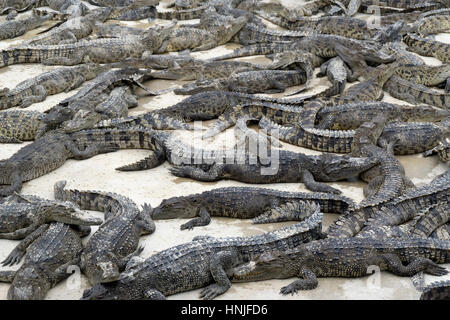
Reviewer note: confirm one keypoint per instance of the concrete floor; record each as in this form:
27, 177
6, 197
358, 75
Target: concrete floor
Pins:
152, 186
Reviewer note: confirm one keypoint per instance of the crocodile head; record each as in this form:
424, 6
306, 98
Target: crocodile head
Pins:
230, 27
153, 38
29, 284
118, 290
85, 121
270, 265
375, 52
57, 115
176, 207
100, 267
65, 212
197, 87
333, 167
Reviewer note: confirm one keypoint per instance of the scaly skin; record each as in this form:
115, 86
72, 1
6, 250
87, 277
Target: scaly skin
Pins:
116, 241
206, 261
18, 125
48, 83
22, 215
259, 204
351, 116
403, 4
430, 219
115, 106
41, 157
110, 3
268, 81
72, 30
439, 290
252, 33
397, 211
337, 73
138, 10
202, 38
16, 28
426, 75
432, 25
350, 258
427, 47
416, 93
410, 138
97, 50
49, 253
320, 45
291, 167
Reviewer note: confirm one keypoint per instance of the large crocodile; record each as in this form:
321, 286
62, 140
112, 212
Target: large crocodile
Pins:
346, 258
50, 253
96, 50
116, 241
166, 273
23, 214
261, 205
52, 82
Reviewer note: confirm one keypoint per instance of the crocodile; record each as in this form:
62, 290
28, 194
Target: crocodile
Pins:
115, 106
22, 215
72, 30
165, 272
409, 137
415, 93
265, 206
290, 167
352, 115
346, 258
41, 157
204, 38
63, 79
49, 254
117, 240
267, 81
84, 103
19, 125
16, 28
427, 47
423, 74
138, 10
398, 210
442, 149
438, 290
96, 50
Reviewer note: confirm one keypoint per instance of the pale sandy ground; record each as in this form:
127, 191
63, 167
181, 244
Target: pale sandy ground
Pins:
154, 185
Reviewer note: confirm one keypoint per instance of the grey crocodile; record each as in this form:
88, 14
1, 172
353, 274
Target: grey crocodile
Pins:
259, 204
165, 273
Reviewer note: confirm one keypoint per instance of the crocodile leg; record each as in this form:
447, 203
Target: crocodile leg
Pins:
289, 211
39, 94
223, 122
62, 272
154, 294
213, 174
124, 261
219, 262
203, 219
312, 185
308, 282
19, 251
19, 234
394, 265
7, 276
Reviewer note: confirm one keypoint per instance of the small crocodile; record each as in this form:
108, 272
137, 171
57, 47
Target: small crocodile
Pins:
18, 125
22, 215
415, 93
267, 81
290, 167
58, 80
167, 272
352, 115
409, 137
42, 156
49, 252
392, 212
427, 47
259, 204
16, 28
439, 290
97, 50
116, 241
204, 38
72, 30
346, 258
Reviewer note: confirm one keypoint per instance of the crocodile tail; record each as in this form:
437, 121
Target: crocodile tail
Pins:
144, 164
21, 55
250, 50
